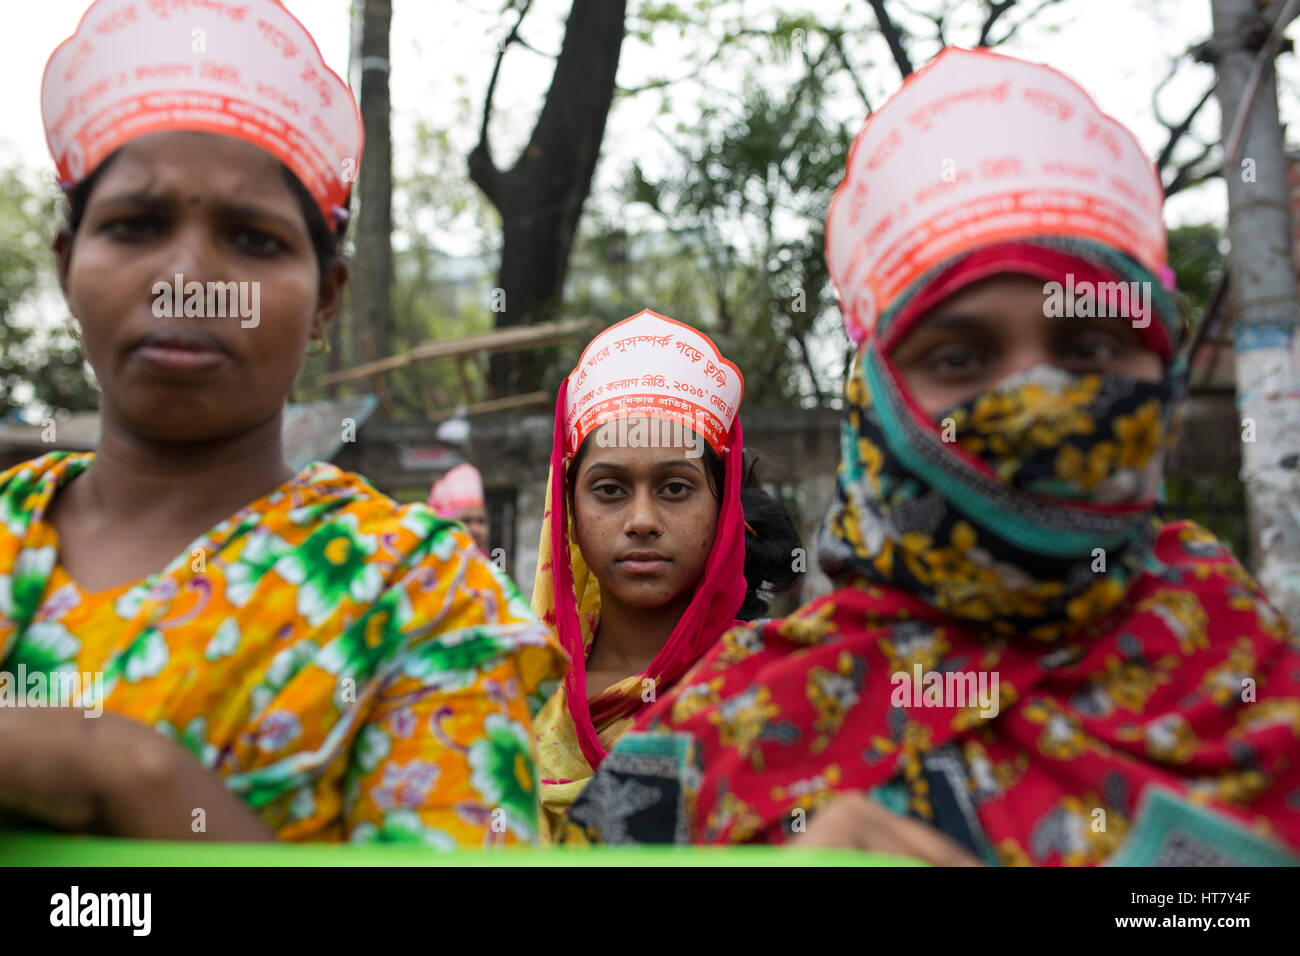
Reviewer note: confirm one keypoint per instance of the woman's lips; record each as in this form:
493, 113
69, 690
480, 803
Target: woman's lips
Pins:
643, 563
181, 350
181, 360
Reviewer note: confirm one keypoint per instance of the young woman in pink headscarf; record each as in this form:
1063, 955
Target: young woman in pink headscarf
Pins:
654, 541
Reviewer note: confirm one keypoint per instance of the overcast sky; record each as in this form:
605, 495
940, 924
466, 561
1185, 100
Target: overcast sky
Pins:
443, 52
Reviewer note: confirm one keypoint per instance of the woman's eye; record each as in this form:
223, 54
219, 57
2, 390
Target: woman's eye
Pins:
606, 491
953, 361
257, 243
133, 228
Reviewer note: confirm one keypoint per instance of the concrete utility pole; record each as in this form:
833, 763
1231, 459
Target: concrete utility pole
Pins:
1247, 37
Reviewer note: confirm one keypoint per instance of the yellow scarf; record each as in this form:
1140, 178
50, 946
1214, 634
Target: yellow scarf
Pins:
561, 764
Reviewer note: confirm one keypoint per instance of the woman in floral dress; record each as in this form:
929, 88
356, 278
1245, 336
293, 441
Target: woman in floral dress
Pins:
262, 654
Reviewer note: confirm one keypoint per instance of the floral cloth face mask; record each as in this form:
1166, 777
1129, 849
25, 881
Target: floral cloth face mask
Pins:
1081, 438
1027, 509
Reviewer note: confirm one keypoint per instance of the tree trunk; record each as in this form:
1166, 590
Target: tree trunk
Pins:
374, 241
1263, 294
541, 197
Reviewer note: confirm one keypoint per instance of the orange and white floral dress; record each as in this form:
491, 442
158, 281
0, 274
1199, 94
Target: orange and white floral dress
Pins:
354, 669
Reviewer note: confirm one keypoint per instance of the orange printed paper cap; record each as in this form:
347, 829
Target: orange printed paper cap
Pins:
651, 366
978, 149
241, 68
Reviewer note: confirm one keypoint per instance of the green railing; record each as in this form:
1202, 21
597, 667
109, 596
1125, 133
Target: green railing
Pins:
28, 849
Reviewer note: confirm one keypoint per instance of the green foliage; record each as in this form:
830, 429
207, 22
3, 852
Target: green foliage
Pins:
1196, 256
731, 236
1216, 502
735, 236
41, 365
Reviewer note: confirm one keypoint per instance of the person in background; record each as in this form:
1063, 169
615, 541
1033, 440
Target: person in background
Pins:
458, 495
1021, 662
655, 538
293, 654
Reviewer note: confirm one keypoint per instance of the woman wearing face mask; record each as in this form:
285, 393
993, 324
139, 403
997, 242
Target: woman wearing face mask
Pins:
458, 495
655, 539
293, 653
1018, 647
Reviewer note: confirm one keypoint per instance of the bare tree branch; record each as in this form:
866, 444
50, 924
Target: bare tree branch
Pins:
836, 41
1194, 171
482, 168
1176, 133
1188, 174
1015, 27
532, 49
806, 357
939, 22
1174, 63
940, 19
995, 10
1201, 333
893, 36
659, 84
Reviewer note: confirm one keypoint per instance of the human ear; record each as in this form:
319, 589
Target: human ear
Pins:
329, 298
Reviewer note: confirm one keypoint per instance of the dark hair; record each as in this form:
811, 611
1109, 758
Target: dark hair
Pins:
326, 242
769, 550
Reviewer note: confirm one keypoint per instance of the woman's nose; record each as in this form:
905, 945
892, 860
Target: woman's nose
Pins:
643, 516
189, 253
1028, 352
